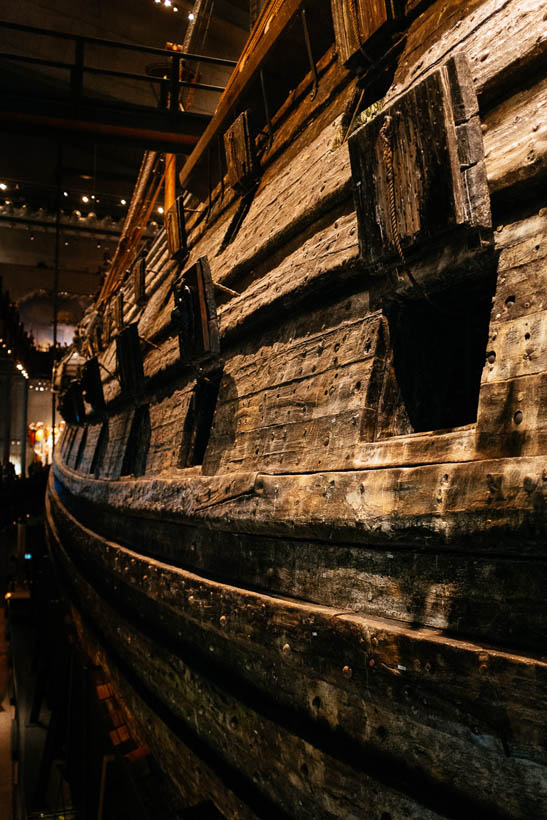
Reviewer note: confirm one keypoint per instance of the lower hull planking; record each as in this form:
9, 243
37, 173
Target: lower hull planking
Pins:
302, 710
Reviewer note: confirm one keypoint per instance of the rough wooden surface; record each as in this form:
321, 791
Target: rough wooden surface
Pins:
262, 752
418, 166
324, 662
452, 588
355, 23
366, 599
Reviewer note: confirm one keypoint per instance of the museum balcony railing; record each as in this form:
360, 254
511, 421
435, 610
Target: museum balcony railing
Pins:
80, 83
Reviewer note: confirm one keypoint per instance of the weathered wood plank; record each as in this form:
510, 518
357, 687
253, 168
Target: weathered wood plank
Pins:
280, 212
515, 139
498, 598
355, 23
298, 640
515, 26
74, 446
522, 268
483, 501
512, 419
516, 347
166, 424
261, 751
119, 428
310, 401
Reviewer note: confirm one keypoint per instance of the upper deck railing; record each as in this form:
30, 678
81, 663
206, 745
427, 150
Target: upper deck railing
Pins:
91, 85
77, 67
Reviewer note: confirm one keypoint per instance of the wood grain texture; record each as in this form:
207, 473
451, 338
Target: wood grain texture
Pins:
416, 173
355, 23
447, 588
242, 740
516, 27
515, 139
305, 650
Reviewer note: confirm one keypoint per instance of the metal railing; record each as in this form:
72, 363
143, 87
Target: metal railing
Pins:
169, 85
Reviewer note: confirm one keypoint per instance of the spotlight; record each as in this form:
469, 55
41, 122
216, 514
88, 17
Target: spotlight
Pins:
85, 199
65, 193
123, 202
160, 210
3, 186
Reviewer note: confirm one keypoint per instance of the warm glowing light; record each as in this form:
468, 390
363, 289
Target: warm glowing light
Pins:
166, 2
3, 186
19, 366
123, 201
65, 193
160, 210
85, 199
191, 16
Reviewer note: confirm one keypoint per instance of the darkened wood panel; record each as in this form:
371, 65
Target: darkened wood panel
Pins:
359, 676
175, 228
418, 167
195, 314
93, 434
240, 157
119, 428
497, 598
355, 21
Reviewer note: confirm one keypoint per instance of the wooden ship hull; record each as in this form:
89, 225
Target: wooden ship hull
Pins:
301, 516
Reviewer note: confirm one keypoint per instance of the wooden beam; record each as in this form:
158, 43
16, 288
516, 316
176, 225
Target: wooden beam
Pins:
268, 30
